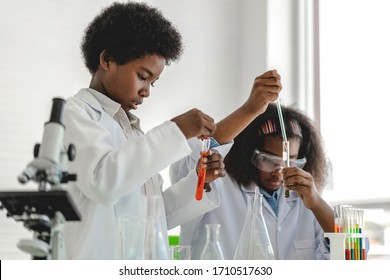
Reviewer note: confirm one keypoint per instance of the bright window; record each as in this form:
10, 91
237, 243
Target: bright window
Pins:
354, 75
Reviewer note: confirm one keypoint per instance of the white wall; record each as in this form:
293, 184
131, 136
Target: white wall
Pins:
39, 52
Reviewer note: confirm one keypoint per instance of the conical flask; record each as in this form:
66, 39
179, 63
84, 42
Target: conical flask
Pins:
254, 243
156, 242
212, 249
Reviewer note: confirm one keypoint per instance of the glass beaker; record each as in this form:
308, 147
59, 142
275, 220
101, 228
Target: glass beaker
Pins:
254, 242
180, 252
131, 238
212, 249
156, 241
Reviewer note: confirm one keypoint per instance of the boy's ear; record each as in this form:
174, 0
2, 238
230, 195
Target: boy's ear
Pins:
104, 60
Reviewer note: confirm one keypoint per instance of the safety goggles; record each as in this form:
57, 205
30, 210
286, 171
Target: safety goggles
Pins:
268, 163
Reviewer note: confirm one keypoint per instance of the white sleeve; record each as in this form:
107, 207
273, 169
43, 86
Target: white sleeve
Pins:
322, 251
181, 205
106, 173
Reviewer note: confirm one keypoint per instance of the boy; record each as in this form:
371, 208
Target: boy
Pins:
126, 48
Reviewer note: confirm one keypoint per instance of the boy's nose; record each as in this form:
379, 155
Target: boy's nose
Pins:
145, 91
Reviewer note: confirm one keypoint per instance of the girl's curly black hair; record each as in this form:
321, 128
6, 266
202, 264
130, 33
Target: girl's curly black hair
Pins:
238, 162
128, 31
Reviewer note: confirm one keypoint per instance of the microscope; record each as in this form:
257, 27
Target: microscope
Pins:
46, 210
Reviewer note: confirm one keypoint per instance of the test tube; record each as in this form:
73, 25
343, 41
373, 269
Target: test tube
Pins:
361, 230
346, 227
349, 221
286, 145
338, 219
202, 171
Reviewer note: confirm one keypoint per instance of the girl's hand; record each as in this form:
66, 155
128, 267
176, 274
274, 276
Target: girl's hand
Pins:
214, 165
302, 183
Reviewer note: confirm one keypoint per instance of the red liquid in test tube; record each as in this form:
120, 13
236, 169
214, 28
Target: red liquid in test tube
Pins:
202, 171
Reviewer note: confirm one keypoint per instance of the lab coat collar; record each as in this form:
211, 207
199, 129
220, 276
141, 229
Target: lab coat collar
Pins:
284, 207
100, 102
85, 95
251, 189
109, 106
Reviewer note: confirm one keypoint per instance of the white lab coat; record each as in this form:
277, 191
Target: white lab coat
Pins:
294, 234
117, 169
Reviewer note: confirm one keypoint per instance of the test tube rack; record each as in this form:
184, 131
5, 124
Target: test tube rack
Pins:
338, 243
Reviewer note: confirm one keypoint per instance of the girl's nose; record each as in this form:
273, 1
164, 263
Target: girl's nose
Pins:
277, 171
278, 166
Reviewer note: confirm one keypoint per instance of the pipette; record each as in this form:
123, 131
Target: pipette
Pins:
202, 171
285, 145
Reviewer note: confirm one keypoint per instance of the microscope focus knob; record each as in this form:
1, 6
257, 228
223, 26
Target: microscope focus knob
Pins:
36, 150
71, 152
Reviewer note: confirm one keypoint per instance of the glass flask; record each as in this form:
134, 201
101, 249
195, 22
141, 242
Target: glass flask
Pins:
131, 237
254, 243
212, 249
156, 242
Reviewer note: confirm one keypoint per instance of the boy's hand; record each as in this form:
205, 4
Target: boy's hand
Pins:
195, 123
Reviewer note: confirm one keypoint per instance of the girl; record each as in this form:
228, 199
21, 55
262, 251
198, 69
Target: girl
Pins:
296, 224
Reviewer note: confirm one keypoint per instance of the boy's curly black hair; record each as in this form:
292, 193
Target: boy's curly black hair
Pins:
128, 31
238, 162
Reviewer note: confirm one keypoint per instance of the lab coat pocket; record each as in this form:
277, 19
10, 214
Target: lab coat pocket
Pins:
305, 249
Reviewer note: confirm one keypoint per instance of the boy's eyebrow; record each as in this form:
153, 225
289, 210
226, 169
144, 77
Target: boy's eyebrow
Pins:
148, 71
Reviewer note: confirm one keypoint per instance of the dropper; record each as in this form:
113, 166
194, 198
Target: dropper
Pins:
285, 145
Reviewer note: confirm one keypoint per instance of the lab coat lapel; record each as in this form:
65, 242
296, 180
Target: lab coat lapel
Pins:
286, 205
267, 207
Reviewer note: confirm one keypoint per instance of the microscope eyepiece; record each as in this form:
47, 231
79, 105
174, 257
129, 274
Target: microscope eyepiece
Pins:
56, 110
